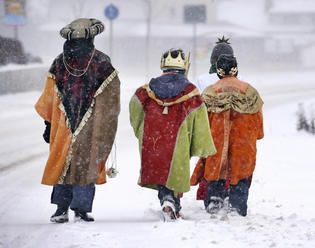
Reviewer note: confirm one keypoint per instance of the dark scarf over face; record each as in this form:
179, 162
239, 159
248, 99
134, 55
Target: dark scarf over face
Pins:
77, 48
169, 85
77, 92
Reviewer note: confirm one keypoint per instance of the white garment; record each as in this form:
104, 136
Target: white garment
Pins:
205, 80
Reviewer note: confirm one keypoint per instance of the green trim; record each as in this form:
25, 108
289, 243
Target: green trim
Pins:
193, 139
202, 145
136, 117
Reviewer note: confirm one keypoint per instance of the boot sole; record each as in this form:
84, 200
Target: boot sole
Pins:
59, 220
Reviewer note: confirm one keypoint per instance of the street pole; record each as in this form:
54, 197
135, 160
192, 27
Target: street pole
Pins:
111, 39
16, 36
147, 41
194, 14
111, 12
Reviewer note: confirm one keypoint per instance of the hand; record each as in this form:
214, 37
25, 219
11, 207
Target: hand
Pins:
46, 134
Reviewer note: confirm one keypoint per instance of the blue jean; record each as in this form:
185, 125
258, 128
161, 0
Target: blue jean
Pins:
73, 196
166, 194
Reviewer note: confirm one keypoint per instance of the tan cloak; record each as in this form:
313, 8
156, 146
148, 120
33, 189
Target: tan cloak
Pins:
79, 158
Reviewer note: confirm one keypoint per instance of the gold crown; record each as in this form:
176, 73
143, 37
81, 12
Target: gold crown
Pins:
175, 59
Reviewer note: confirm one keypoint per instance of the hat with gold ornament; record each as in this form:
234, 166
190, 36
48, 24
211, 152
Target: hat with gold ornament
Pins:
82, 28
226, 66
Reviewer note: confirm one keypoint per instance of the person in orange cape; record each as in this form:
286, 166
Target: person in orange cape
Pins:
80, 105
223, 46
236, 122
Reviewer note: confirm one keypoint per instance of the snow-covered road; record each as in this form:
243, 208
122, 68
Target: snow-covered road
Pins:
281, 201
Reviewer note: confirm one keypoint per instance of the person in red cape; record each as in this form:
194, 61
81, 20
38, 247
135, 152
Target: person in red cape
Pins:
169, 118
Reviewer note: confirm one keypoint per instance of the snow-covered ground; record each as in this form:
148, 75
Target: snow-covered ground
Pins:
281, 200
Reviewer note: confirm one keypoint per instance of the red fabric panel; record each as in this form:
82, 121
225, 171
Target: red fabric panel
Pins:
160, 133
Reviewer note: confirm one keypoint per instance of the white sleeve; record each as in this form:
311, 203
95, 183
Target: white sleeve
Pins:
205, 80
198, 85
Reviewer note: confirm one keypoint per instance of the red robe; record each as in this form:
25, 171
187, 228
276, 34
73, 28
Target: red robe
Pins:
160, 134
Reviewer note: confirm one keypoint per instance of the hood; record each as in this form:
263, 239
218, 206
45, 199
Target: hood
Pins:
169, 85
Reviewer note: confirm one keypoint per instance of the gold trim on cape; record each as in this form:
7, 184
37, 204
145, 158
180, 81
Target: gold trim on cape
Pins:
217, 102
50, 75
152, 95
84, 120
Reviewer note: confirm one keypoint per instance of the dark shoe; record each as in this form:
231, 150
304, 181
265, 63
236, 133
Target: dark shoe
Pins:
81, 215
60, 216
237, 212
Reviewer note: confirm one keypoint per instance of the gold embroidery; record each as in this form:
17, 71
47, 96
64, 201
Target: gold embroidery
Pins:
152, 95
226, 137
248, 103
84, 120
50, 75
155, 140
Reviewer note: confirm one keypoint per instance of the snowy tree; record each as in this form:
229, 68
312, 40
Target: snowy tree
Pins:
306, 121
302, 121
312, 119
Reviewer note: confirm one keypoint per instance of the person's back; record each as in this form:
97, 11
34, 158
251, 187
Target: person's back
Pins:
235, 116
243, 125
170, 121
81, 122
222, 46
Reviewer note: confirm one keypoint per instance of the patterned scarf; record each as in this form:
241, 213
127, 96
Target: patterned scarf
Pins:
77, 93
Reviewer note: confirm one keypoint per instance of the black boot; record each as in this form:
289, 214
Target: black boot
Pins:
81, 215
61, 215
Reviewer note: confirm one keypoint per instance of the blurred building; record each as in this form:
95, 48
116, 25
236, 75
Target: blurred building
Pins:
268, 33
166, 11
290, 37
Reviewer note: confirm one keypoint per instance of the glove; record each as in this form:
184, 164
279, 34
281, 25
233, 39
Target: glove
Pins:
46, 134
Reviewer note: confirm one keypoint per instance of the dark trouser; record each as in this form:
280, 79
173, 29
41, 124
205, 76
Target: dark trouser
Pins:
238, 194
73, 196
166, 194
217, 190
